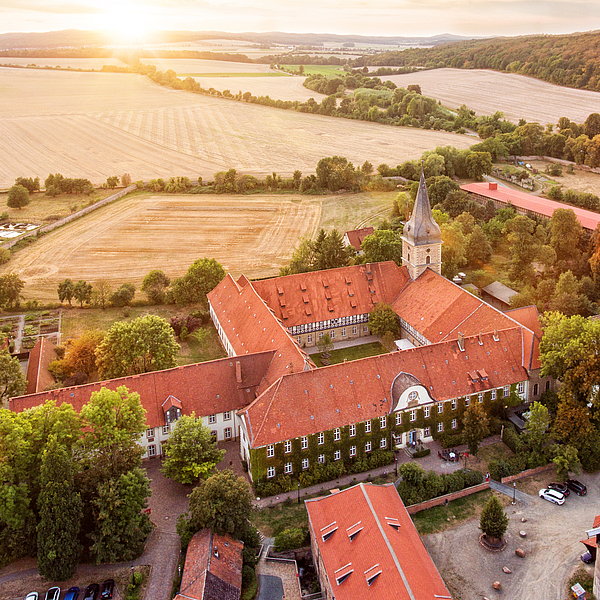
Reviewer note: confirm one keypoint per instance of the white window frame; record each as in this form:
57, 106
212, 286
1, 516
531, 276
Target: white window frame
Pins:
382, 422
150, 433
227, 415
337, 455
270, 451
227, 433
354, 330
337, 435
440, 427
352, 430
367, 426
305, 464
287, 446
493, 394
270, 472
321, 459
309, 339
480, 397
454, 404
304, 442
332, 334
352, 451
383, 442
212, 419
343, 332
368, 447
427, 412
413, 415
454, 423
165, 430
506, 390
152, 450
467, 401
287, 468
440, 408
427, 432
365, 328
321, 438
521, 388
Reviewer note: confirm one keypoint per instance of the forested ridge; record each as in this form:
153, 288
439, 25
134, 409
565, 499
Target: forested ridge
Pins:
570, 60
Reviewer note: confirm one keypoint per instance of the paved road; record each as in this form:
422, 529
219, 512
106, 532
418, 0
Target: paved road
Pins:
511, 492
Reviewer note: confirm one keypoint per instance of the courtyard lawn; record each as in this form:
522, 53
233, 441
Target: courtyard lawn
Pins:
271, 521
352, 353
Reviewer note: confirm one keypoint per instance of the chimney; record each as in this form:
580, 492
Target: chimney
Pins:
480, 339
461, 342
492, 186
496, 337
238, 371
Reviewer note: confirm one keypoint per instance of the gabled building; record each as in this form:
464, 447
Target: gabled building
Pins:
213, 568
356, 237
365, 546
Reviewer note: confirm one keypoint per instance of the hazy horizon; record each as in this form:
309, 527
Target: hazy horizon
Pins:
134, 18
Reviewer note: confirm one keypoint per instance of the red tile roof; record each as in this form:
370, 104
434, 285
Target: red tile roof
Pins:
250, 326
204, 388
324, 295
528, 202
528, 317
38, 376
440, 309
356, 236
213, 568
384, 540
357, 391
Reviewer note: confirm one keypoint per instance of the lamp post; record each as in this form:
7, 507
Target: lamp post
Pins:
514, 500
298, 492
396, 463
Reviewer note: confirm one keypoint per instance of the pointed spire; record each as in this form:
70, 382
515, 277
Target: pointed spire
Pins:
421, 228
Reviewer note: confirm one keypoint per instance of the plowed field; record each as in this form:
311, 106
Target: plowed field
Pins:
96, 125
515, 95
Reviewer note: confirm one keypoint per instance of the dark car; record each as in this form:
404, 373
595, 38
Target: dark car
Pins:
53, 593
587, 557
91, 592
72, 593
106, 591
559, 487
576, 486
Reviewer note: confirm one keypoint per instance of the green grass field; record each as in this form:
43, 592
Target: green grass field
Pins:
271, 521
232, 75
352, 353
315, 69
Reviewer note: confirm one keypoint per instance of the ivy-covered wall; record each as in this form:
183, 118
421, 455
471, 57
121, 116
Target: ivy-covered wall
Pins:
259, 463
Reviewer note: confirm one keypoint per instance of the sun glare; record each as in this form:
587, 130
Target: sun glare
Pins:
127, 22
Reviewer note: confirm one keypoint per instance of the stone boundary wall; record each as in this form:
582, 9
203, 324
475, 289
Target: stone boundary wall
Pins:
415, 508
71, 217
527, 473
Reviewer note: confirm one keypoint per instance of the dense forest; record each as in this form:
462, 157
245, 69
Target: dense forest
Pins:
569, 60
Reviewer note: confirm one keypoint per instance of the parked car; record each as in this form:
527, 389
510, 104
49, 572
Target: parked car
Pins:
552, 496
72, 593
91, 592
587, 557
32, 596
559, 487
576, 486
106, 591
53, 593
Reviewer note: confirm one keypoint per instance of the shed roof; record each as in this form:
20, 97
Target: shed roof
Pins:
500, 292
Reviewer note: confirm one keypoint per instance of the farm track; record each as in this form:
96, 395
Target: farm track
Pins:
95, 125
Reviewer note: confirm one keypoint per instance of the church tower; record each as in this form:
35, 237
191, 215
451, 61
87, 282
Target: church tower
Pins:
422, 238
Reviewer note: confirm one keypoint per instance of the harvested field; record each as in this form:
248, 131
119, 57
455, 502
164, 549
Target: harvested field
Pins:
63, 63
183, 66
581, 179
96, 125
284, 87
516, 96
122, 242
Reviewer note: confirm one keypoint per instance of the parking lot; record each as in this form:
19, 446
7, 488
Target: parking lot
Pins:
552, 549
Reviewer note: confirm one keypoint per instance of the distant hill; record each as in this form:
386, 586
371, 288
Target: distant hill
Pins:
78, 38
570, 60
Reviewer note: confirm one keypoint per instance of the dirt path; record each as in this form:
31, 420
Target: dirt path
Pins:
552, 545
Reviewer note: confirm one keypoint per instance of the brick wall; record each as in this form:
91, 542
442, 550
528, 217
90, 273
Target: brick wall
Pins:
415, 508
527, 473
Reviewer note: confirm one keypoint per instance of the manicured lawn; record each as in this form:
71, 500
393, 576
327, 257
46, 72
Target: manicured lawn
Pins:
233, 75
316, 69
352, 353
487, 454
436, 519
271, 521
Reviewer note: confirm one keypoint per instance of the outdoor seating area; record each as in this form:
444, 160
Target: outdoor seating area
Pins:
450, 455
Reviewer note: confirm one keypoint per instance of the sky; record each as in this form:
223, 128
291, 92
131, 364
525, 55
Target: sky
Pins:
366, 17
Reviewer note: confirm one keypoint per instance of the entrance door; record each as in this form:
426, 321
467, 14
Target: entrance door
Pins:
412, 437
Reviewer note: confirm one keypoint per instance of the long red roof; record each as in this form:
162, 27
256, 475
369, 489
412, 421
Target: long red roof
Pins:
521, 200
372, 536
331, 294
356, 391
204, 388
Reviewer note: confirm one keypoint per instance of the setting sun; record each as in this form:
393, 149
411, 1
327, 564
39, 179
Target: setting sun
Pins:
125, 21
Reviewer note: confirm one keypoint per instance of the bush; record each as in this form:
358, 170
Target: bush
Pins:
422, 453
512, 440
493, 521
290, 539
583, 578
450, 440
4, 255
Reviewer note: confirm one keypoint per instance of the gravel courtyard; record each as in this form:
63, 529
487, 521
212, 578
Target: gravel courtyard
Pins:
552, 549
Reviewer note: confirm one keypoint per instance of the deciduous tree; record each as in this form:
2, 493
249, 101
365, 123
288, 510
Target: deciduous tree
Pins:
101, 293
66, 290
475, 426
12, 380
155, 285
18, 197
201, 278
11, 286
191, 452
82, 292
566, 459
142, 345
383, 319
124, 295
382, 245
536, 427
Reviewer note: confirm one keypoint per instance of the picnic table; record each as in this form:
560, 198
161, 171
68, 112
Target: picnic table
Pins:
449, 455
